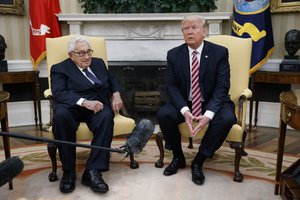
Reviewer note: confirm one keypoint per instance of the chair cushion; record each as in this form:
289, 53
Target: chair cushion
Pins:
123, 125
235, 134
183, 129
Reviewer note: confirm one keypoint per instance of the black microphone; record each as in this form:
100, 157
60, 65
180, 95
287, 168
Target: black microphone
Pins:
10, 168
139, 137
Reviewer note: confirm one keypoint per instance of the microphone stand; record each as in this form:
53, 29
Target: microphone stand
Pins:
42, 139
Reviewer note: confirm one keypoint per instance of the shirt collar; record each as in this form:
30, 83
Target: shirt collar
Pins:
199, 49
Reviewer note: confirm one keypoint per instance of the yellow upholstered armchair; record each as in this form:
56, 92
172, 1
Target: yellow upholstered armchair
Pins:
239, 60
57, 52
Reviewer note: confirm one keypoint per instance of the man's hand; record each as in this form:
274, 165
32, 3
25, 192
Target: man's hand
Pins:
202, 121
189, 121
116, 102
95, 106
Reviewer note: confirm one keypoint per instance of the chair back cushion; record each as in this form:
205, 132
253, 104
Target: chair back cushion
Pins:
57, 49
239, 50
239, 60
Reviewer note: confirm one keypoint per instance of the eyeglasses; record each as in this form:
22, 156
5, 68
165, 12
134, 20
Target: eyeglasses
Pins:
187, 28
89, 52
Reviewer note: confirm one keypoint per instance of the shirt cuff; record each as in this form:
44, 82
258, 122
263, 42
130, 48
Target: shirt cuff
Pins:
79, 102
209, 114
184, 109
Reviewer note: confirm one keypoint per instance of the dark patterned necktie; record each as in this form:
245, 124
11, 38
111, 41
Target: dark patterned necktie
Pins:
93, 78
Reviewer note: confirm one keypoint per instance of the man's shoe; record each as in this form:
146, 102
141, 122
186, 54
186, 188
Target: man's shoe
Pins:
94, 180
197, 174
67, 183
174, 166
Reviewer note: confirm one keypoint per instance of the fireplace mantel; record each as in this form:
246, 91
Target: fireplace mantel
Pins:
79, 22
135, 37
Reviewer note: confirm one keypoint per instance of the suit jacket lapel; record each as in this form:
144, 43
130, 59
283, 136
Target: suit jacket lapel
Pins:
186, 68
204, 60
77, 74
97, 70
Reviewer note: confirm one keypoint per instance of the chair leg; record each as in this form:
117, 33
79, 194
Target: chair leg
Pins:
190, 143
239, 152
159, 141
52, 154
238, 176
133, 164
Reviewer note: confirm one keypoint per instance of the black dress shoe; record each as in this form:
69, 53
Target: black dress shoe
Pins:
94, 180
197, 174
67, 183
174, 166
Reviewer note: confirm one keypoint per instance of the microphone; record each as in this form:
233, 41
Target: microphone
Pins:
10, 168
139, 137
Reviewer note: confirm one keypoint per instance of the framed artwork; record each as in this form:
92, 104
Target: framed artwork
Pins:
13, 7
278, 6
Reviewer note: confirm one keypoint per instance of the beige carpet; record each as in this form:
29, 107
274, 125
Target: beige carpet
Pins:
148, 182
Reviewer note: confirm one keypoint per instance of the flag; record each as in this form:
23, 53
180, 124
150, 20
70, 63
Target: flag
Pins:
43, 24
253, 19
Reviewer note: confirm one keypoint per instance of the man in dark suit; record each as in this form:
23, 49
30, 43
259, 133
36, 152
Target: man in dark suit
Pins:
79, 96
196, 95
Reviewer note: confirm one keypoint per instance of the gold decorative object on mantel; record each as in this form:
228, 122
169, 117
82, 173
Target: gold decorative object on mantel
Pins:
279, 6
14, 7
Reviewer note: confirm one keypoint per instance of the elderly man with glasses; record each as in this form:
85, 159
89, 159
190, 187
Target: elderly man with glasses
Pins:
84, 91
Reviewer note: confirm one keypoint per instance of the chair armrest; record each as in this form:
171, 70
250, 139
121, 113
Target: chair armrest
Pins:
247, 93
48, 93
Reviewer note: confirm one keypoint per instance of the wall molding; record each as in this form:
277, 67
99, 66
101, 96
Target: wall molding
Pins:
26, 65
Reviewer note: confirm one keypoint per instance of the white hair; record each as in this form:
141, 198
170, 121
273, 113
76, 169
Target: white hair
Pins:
72, 43
194, 18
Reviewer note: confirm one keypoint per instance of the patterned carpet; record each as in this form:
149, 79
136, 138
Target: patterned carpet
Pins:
258, 168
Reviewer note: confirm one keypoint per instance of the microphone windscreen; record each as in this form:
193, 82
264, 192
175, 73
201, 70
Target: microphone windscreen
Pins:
10, 168
139, 136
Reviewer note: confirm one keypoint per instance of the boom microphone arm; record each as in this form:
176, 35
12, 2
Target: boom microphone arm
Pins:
134, 144
42, 139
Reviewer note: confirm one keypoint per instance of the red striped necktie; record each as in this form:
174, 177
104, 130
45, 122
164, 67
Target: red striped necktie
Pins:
196, 93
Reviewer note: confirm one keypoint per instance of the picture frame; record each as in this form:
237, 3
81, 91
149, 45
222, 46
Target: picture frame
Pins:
13, 7
280, 6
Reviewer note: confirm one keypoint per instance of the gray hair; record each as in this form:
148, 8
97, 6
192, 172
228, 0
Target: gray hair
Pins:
75, 40
194, 18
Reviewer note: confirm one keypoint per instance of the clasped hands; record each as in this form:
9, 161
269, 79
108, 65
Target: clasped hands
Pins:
96, 106
201, 122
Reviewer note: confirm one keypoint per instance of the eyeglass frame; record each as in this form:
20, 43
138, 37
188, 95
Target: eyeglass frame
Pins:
81, 54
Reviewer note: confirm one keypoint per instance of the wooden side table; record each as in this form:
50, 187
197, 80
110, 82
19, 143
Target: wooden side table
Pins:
27, 77
289, 115
268, 77
4, 96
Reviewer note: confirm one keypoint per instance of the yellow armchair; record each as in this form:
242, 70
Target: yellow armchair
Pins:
56, 52
239, 60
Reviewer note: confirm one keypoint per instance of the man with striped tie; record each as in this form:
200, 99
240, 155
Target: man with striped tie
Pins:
198, 82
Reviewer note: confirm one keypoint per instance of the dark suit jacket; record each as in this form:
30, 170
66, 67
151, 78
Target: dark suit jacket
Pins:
214, 76
68, 84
